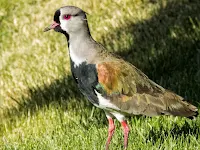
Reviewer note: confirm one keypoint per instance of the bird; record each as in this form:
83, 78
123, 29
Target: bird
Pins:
111, 83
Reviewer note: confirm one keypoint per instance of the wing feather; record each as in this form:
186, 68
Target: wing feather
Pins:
134, 93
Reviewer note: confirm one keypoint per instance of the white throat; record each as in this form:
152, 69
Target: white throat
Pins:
81, 49
75, 57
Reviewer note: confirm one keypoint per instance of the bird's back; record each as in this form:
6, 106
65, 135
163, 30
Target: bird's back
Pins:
134, 93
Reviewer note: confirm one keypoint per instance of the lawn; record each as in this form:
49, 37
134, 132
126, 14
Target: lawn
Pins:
40, 105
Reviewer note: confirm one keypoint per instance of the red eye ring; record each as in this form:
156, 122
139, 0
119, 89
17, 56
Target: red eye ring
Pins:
67, 17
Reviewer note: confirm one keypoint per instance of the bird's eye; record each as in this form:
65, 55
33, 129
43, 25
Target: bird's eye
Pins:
67, 17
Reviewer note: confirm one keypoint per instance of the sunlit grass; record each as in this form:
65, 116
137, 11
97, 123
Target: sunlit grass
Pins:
41, 107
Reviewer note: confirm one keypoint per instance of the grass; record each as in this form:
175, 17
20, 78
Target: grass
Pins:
40, 105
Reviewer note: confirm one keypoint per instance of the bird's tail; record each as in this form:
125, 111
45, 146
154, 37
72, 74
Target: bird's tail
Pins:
177, 106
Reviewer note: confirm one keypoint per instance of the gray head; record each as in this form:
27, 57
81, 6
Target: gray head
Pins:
69, 20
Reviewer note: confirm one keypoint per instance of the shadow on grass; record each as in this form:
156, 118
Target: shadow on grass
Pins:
177, 131
166, 47
60, 91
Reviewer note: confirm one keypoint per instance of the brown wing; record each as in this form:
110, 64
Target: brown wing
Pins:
134, 93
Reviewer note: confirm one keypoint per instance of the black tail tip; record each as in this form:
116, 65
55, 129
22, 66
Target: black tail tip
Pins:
194, 116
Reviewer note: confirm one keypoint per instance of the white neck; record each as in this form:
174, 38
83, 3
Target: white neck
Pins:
81, 47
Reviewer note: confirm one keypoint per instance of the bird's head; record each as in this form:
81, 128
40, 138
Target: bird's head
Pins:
69, 20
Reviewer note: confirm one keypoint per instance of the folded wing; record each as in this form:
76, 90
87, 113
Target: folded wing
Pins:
134, 93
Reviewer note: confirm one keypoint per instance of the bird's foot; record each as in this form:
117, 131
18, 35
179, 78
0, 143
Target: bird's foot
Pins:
126, 131
111, 130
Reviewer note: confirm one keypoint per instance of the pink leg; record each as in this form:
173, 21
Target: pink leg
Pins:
111, 129
126, 131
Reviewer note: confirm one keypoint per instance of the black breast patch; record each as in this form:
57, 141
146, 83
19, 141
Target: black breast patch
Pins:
86, 78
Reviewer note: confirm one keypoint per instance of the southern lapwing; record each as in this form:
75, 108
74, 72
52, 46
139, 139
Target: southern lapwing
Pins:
110, 83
